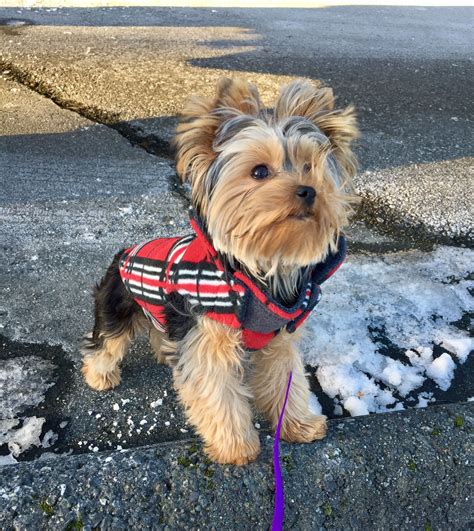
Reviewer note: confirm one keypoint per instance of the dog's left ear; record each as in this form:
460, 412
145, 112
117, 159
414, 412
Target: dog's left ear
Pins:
316, 104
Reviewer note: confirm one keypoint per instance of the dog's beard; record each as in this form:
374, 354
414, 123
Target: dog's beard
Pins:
274, 249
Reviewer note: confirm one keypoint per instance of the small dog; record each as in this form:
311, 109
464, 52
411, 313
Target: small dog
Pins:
271, 191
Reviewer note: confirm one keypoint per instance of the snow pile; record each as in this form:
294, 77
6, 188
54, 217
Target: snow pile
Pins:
314, 405
441, 370
412, 298
424, 399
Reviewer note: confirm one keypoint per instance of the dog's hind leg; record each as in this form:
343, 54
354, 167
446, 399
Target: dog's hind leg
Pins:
117, 318
156, 343
163, 347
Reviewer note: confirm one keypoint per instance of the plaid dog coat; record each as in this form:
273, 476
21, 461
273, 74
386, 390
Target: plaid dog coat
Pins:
156, 271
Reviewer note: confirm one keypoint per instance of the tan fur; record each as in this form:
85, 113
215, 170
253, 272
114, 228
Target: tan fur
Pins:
302, 98
163, 347
270, 370
209, 378
156, 341
101, 368
264, 228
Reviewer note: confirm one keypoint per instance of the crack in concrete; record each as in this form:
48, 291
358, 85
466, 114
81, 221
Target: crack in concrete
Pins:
150, 143
371, 210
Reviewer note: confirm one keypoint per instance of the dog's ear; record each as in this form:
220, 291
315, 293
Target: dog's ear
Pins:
201, 118
237, 95
316, 104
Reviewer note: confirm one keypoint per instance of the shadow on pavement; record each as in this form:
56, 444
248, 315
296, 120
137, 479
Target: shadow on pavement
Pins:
411, 84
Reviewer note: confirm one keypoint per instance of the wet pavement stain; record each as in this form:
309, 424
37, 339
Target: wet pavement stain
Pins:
142, 410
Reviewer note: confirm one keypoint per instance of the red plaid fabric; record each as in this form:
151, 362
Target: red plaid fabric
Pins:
191, 267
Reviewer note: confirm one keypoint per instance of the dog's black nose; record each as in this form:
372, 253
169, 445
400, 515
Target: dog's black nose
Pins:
307, 194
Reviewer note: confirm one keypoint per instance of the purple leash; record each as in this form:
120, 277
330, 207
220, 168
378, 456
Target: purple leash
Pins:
279, 511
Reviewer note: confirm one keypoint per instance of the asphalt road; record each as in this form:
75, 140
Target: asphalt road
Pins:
78, 193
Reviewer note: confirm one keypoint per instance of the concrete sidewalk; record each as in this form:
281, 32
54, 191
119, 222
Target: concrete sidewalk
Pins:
400, 471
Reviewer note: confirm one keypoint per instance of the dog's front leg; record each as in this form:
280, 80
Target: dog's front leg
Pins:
209, 380
271, 369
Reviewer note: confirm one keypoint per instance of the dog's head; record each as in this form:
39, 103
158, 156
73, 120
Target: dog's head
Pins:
273, 187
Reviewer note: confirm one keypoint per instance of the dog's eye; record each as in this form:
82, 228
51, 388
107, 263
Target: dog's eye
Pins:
307, 168
260, 172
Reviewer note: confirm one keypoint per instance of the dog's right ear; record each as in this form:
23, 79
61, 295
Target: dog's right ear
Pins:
200, 120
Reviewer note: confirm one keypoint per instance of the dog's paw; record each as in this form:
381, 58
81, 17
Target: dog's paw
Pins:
100, 381
304, 430
235, 452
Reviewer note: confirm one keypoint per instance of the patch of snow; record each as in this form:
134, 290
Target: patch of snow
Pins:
441, 371
6, 425
413, 297
355, 406
459, 346
314, 405
7, 460
27, 436
49, 439
23, 383
424, 399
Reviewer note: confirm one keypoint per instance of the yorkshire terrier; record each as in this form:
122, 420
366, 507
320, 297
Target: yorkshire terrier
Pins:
271, 192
